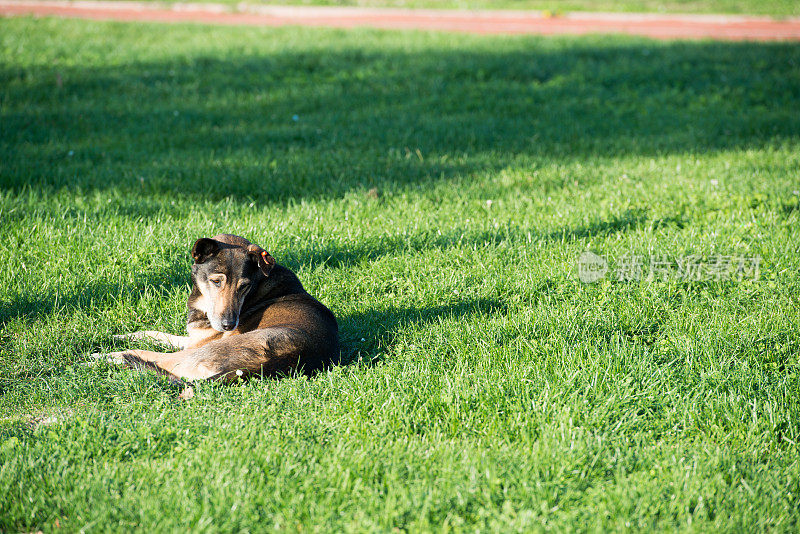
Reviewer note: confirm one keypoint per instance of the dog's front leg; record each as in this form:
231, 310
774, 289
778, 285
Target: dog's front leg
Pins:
178, 342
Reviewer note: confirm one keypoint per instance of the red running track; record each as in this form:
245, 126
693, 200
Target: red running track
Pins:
479, 22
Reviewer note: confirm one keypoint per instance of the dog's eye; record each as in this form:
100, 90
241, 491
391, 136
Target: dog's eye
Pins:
216, 282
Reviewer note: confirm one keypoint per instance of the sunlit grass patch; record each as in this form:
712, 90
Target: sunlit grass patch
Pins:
435, 191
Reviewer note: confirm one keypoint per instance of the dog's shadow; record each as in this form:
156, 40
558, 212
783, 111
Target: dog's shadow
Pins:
366, 336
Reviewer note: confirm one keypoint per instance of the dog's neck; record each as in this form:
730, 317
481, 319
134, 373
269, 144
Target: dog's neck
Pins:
280, 282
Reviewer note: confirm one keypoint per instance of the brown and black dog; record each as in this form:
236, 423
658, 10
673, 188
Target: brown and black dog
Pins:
246, 315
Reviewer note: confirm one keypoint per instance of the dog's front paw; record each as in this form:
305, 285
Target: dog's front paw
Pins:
110, 357
133, 336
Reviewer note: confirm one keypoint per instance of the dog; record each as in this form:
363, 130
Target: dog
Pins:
246, 315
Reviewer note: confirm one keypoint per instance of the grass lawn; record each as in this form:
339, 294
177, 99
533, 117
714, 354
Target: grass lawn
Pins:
435, 191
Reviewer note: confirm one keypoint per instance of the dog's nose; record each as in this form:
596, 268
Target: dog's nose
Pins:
228, 325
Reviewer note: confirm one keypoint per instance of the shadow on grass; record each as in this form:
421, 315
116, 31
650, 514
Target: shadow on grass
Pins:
98, 294
321, 122
378, 327
372, 248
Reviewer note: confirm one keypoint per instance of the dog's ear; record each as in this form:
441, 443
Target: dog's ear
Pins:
203, 249
262, 258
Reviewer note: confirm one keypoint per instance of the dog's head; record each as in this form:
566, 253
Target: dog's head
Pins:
226, 270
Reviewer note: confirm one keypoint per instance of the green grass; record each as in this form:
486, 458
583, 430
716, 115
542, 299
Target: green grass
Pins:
434, 191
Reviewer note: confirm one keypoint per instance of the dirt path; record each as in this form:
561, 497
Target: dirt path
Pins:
482, 22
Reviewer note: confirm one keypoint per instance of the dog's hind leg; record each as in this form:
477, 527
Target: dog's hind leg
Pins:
178, 342
267, 351
174, 364
142, 360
